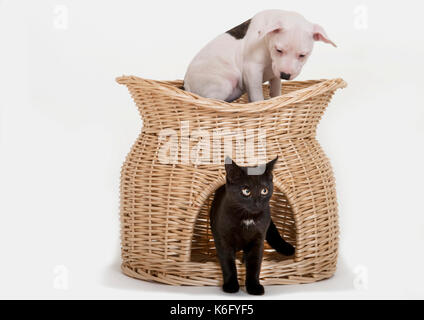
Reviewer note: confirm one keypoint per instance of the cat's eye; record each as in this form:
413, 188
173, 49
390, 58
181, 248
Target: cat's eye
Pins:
279, 50
264, 191
302, 56
245, 192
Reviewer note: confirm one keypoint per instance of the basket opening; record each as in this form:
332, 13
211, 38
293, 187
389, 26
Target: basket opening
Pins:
202, 244
286, 88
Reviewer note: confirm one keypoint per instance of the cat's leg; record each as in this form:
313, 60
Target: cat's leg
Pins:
253, 255
277, 242
227, 259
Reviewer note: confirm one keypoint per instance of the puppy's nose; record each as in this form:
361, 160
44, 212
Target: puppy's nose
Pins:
285, 76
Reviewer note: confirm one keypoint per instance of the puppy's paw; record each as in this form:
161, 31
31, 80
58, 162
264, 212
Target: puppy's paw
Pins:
231, 287
255, 289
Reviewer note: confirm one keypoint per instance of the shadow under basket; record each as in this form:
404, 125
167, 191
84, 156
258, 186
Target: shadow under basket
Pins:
165, 231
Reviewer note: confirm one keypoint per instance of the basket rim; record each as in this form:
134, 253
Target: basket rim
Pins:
171, 89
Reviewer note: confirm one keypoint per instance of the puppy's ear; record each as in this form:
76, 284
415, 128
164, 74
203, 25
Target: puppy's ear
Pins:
319, 34
233, 171
272, 28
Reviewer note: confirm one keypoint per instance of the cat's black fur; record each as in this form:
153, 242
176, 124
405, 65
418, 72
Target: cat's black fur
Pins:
229, 212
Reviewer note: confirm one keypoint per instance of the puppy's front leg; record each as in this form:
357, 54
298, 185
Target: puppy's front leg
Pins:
274, 87
252, 78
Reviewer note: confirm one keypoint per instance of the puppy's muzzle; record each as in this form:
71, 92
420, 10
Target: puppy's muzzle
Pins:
285, 76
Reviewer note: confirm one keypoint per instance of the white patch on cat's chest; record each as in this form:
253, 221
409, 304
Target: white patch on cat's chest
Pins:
248, 222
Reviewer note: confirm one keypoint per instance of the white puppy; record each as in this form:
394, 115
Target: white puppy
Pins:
273, 45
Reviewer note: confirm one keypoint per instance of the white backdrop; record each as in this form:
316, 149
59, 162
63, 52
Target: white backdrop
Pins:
66, 127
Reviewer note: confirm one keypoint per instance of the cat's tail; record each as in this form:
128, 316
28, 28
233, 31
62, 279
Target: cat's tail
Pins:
277, 242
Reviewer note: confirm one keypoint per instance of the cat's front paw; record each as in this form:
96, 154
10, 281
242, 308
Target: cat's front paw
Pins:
255, 289
231, 287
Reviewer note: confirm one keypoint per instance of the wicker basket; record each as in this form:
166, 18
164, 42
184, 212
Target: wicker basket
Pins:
165, 232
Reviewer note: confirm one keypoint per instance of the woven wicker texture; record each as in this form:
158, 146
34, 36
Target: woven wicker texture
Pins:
165, 232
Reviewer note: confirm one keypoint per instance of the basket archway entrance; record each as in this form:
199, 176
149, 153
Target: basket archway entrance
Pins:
203, 247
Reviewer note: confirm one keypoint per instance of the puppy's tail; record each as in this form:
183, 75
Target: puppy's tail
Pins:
277, 242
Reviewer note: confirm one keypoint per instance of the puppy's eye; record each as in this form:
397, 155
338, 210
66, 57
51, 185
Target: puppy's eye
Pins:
245, 192
264, 191
279, 50
301, 56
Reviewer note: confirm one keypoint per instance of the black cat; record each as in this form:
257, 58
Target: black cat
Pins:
241, 220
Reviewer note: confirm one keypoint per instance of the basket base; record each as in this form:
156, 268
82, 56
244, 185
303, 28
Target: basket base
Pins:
275, 270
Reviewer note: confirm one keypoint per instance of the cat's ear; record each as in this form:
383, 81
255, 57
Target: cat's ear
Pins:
270, 165
234, 172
